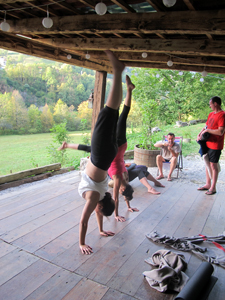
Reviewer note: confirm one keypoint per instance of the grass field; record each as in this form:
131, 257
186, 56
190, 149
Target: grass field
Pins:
22, 152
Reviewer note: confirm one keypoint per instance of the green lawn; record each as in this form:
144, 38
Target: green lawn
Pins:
22, 152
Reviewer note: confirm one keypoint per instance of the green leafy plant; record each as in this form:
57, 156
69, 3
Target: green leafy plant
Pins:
59, 135
149, 109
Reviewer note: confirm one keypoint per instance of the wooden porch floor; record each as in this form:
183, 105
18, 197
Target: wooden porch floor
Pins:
39, 253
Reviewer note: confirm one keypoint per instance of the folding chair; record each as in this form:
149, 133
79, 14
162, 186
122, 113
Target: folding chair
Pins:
179, 166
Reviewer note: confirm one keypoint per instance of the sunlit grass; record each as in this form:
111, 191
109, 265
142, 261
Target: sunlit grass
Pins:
23, 152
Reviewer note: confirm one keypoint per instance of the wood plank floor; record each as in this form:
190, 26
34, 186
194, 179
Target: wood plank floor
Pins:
40, 256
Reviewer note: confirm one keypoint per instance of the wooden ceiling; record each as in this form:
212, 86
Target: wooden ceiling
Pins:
191, 33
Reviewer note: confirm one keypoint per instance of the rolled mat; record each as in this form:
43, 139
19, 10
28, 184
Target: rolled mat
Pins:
199, 285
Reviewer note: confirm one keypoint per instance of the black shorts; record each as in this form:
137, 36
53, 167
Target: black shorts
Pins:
214, 155
103, 144
122, 126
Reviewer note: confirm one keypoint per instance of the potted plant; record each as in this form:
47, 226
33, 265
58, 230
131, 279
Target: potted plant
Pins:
187, 136
144, 152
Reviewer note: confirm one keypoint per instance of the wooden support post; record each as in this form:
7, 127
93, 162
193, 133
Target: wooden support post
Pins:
99, 96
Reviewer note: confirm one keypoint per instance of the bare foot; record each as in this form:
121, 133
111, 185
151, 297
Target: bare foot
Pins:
153, 191
130, 85
169, 179
160, 177
64, 145
159, 184
116, 64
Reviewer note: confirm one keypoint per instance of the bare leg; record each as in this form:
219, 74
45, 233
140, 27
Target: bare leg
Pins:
114, 98
144, 181
156, 182
208, 179
130, 87
214, 168
173, 163
159, 162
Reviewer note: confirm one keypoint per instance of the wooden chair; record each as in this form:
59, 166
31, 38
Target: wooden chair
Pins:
179, 166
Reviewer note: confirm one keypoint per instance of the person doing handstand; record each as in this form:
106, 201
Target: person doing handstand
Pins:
117, 168
94, 182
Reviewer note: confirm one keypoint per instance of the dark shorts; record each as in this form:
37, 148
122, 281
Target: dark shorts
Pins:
214, 155
139, 171
103, 144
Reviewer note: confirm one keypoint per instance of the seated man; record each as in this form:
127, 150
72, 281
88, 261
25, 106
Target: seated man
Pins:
170, 152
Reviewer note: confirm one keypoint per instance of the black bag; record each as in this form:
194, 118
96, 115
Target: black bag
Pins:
205, 136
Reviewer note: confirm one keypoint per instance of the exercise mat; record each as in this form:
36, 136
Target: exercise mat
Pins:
199, 285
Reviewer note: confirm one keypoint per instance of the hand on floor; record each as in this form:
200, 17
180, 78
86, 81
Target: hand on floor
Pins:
132, 209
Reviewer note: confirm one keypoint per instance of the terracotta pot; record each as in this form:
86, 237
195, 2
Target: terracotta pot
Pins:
187, 140
145, 157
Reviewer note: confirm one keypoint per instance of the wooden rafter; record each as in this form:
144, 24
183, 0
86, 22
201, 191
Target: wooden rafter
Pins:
67, 6
124, 6
31, 47
193, 23
176, 47
189, 4
157, 7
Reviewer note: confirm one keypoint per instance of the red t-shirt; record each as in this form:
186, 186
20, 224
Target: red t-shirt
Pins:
118, 166
214, 121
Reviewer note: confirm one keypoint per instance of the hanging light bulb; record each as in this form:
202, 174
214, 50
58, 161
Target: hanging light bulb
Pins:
180, 73
157, 75
204, 73
169, 63
87, 56
4, 25
47, 22
100, 8
144, 54
169, 3
69, 56
202, 79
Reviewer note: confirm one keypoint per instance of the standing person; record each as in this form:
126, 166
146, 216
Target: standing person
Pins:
215, 126
170, 153
94, 182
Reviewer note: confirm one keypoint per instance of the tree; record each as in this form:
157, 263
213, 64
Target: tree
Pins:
46, 119
34, 116
60, 112
85, 113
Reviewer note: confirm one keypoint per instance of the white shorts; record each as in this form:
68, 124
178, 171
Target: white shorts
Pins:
87, 184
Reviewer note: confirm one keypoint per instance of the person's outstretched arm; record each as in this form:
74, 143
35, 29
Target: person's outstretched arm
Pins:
99, 217
81, 147
92, 199
116, 187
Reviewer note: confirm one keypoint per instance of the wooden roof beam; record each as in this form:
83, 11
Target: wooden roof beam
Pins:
176, 46
191, 22
29, 47
175, 67
161, 58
